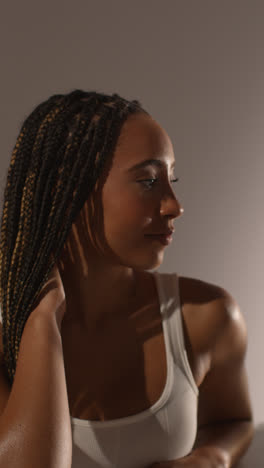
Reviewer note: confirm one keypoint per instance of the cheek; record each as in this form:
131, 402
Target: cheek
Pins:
127, 212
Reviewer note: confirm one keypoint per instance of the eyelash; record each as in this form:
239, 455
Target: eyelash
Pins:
155, 180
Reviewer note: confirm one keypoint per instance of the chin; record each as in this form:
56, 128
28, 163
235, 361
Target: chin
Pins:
149, 263
141, 259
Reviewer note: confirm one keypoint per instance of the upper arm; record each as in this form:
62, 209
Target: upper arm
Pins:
4, 384
223, 394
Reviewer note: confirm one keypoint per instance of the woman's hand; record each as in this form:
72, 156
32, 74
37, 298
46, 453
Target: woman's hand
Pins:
185, 462
51, 300
203, 458
171, 464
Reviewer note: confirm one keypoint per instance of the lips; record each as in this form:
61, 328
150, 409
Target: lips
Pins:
166, 233
164, 239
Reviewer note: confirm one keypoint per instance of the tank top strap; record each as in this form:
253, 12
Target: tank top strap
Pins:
168, 289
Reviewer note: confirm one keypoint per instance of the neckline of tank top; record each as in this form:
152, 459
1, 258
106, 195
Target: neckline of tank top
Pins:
167, 388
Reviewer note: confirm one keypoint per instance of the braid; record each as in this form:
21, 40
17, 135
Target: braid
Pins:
59, 155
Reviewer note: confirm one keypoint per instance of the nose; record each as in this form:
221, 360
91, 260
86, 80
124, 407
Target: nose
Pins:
170, 205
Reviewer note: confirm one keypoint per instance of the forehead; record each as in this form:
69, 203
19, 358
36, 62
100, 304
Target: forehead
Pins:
141, 138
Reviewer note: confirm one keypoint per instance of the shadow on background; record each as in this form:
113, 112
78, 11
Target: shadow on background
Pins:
254, 457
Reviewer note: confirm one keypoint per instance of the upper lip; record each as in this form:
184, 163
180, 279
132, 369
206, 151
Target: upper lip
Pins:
167, 232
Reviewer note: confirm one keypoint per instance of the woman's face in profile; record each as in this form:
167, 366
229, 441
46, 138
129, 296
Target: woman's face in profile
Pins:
131, 200
138, 198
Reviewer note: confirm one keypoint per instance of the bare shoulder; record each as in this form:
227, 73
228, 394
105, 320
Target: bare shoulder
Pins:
215, 323
196, 291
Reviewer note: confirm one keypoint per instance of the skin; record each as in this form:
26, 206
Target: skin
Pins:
109, 248
112, 248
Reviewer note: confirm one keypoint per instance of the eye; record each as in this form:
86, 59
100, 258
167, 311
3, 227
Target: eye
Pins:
150, 182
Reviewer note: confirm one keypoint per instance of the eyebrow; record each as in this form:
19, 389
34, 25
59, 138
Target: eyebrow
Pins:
149, 162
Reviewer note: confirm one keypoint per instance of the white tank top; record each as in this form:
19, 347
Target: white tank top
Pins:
166, 430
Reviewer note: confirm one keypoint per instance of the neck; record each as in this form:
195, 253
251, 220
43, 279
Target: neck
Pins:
99, 294
97, 288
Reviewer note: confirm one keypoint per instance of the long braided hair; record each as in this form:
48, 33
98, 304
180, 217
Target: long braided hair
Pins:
58, 157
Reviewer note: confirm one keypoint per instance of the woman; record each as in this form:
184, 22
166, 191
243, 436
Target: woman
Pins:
105, 363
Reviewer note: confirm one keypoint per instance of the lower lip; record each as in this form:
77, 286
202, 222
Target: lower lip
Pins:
165, 240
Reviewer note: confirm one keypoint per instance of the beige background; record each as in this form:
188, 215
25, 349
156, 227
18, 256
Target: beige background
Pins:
198, 67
